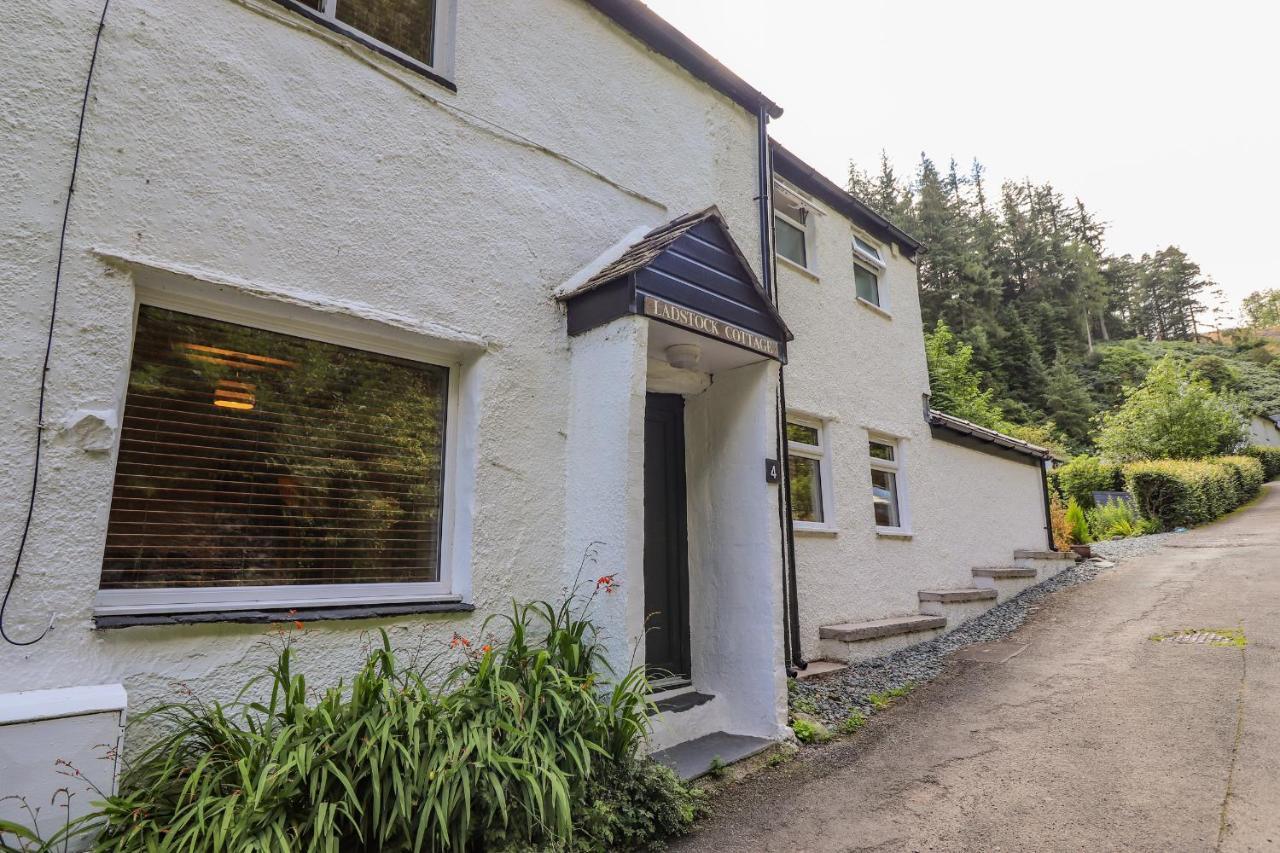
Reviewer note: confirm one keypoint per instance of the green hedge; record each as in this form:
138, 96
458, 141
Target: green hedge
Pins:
1084, 475
1269, 457
1179, 493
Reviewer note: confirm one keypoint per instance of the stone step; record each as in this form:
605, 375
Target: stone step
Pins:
955, 596
695, 757
819, 668
1043, 555
1003, 572
853, 632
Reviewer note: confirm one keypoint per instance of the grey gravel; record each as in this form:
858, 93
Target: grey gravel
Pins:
834, 697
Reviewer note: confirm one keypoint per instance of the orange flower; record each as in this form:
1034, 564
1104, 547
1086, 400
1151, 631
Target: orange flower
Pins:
297, 623
459, 640
486, 648
608, 583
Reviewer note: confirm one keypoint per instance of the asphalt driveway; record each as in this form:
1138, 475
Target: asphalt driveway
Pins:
1094, 738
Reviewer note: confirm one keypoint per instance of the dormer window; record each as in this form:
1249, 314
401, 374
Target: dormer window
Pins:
417, 33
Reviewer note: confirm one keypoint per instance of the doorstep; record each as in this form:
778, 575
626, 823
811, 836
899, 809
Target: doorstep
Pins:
694, 758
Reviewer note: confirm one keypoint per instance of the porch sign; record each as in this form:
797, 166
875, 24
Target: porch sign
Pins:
709, 326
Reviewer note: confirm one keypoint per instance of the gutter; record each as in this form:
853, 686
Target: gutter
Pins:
808, 178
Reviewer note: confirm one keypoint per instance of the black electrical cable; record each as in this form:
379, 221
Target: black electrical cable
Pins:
48, 347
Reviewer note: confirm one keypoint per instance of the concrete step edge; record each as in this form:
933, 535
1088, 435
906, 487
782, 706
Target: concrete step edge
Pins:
852, 632
952, 596
1002, 572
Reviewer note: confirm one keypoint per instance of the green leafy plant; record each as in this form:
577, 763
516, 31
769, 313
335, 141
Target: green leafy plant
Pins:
1115, 519
809, 731
852, 723
524, 742
1077, 523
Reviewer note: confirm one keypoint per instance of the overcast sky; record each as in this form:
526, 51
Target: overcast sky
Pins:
1163, 117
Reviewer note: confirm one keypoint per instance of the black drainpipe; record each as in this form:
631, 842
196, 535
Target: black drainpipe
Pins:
1048, 513
790, 592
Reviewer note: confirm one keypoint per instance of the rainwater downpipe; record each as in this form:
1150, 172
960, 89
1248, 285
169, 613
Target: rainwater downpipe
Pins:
790, 592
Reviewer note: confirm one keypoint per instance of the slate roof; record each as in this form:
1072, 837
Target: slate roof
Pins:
640, 254
960, 425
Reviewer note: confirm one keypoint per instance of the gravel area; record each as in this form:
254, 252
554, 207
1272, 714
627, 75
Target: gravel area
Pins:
832, 698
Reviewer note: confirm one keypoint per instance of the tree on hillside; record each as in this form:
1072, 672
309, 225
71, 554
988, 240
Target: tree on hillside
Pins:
1171, 415
1262, 308
954, 386
1214, 370
1069, 404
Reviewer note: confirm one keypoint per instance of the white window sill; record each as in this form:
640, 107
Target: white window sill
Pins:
810, 529
800, 268
867, 303
893, 533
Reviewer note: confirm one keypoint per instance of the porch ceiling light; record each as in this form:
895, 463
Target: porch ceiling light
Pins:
684, 356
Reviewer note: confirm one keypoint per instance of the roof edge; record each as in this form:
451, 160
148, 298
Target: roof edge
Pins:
787, 165
960, 425
660, 36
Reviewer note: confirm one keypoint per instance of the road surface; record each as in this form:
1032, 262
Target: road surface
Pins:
1093, 738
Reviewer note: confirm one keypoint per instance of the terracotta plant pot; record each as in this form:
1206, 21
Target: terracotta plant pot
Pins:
1083, 550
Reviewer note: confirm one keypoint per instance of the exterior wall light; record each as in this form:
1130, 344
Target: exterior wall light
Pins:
684, 356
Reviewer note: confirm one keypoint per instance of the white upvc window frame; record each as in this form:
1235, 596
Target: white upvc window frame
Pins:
302, 322
896, 467
807, 227
442, 34
870, 257
822, 453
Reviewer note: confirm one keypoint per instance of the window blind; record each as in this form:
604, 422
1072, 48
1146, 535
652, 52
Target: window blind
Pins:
249, 457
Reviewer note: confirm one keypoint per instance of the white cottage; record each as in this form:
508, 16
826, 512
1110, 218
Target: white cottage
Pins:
373, 320
906, 521
1264, 430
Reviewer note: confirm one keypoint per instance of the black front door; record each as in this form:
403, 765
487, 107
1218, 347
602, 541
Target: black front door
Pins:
666, 539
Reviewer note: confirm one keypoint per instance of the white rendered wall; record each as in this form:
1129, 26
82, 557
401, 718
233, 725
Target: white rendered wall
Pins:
233, 140
735, 594
864, 371
1263, 432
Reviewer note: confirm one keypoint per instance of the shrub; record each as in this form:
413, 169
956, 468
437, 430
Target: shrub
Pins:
1058, 523
523, 744
1077, 523
1248, 474
1084, 475
1179, 493
1269, 457
1116, 519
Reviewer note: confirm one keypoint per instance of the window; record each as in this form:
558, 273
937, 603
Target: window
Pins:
866, 266
410, 29
258, 467
867, 284
885, 493
809, 474
790, 227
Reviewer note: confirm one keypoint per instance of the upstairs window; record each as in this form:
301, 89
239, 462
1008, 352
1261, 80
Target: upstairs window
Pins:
257, 467
867, 265
410, 29
809, 473
791, 227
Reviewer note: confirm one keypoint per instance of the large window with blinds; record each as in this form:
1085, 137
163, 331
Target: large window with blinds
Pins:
260, 467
